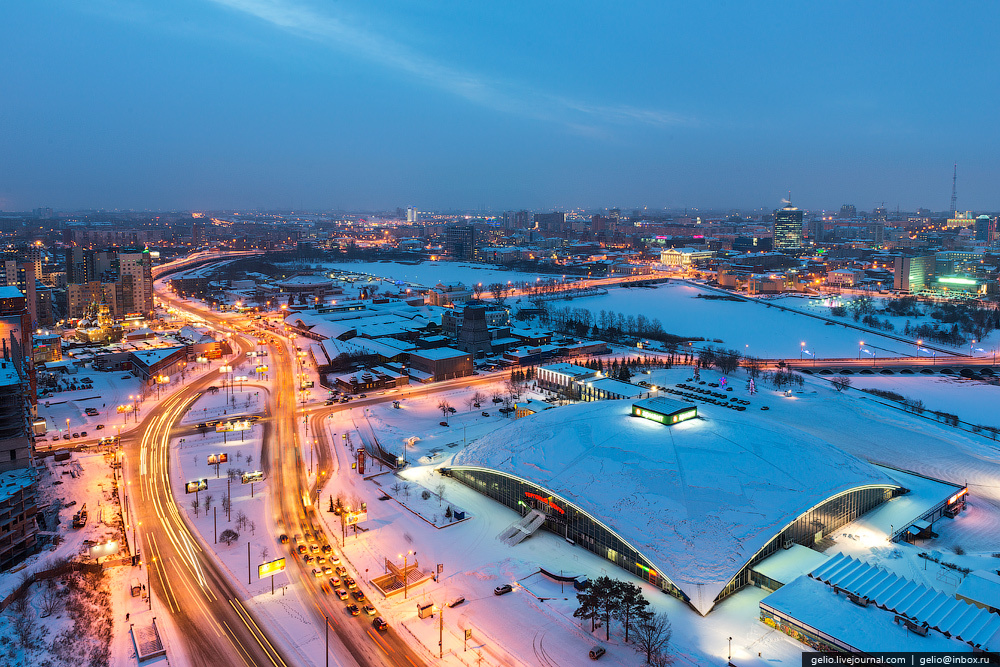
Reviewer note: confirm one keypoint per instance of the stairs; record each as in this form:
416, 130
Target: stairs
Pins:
521, 529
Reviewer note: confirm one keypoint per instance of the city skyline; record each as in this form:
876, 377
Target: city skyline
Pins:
287, 104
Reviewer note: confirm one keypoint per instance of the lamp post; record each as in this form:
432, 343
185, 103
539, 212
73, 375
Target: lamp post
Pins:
730, 658
802, 346
861, 344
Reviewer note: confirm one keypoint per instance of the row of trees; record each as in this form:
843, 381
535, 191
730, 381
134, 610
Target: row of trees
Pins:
605, 325
609, 599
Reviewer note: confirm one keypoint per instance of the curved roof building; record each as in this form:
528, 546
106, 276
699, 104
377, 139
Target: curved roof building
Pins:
688, 507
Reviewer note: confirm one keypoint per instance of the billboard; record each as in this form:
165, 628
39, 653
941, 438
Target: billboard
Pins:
214, 459
270, 568
232, 426
255, 476
195, 486
351, 518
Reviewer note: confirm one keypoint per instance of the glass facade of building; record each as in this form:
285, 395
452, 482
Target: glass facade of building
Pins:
565, 519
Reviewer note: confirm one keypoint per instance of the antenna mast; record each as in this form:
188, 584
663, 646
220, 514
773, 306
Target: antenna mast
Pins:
954, 197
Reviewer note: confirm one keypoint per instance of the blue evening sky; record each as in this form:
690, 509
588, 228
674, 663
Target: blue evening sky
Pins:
191, 104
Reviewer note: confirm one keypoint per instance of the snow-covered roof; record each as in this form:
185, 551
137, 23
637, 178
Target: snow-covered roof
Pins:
698, 499
981, 586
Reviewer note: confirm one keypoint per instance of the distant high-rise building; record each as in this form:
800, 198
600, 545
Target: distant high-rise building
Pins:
22, 276
787, 228
460, 242
523, 220
550, 221
986, 229
412, 214
138, 266
848, 211
911, 274
880, 214
197, 233
79, 265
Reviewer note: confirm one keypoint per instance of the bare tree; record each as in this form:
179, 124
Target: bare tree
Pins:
229, 536
477, 290
195, 505
51, 601
652, 636
841, 383
226, 503
439, 491
497, 290
264, 553
249, 459
396, 488
445, 408
253, 528
478, 397
241, 520
208, 502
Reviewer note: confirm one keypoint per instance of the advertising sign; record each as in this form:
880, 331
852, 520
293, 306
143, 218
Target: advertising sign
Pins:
214, 459
195, 486
270, 568
361, 461
255, 476
232, 426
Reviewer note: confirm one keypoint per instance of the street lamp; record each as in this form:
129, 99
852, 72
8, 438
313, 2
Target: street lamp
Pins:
802, 346
861, 344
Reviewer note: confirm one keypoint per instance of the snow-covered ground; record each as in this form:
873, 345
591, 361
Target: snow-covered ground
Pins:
974, 401
531, 631
749, 327
428, 274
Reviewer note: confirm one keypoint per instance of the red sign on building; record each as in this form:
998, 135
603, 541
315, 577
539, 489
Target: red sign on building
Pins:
361, 461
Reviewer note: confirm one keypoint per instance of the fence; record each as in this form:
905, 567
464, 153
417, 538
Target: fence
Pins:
45, 575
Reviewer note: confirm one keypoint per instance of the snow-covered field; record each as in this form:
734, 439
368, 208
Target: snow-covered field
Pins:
974, 401
751, 328
428, 273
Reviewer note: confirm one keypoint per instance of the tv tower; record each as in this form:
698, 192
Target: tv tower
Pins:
954, 196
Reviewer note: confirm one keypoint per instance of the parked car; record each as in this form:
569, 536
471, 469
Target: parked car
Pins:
380, 624
99, 427
83, 434
76, 435
597, 652
503, 590
66, 436
486, 414
443, 423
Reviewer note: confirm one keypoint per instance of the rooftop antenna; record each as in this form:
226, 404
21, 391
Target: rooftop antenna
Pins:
954, 181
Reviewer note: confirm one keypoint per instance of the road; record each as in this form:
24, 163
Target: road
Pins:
353, 640
216, 628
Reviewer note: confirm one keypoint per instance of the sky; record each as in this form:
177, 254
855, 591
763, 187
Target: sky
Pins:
347, 105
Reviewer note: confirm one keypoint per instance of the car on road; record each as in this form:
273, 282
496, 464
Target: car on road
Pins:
327, 549
335, 560
298, 539
370, 610
66, 436
314, 547
350, 582
327, 570
353, 608
76, 435
486, 414
301, 548
110, 440
379, 624
99, 427
359, 595
317, 572
341, 570
283, 538
597, 652
335, 581
362, 395
83, 434
503, 590
341, 593
92, 412
306, 558
443, 423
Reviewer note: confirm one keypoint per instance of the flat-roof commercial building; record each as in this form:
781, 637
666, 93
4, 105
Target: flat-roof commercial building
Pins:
690, 509
608, 389
562, 376
440, 363
664, 410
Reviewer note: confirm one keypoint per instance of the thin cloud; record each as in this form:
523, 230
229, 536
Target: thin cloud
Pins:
501, 96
